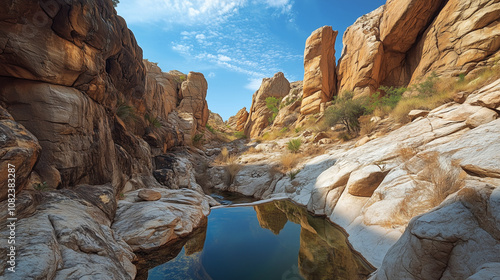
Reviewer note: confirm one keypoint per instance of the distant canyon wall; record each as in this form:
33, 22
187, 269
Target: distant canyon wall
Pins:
399, 44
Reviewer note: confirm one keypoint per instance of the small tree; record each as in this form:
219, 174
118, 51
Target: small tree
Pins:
272, 103
346, 111
115, 2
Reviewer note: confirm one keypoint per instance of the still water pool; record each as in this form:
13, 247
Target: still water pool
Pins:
275, 240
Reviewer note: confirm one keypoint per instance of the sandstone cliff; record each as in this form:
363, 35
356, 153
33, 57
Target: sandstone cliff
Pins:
258, 118
82, 112
403, 41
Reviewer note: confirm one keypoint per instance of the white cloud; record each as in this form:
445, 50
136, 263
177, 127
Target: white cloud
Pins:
182, 12
211, 74
224, 58
254, 84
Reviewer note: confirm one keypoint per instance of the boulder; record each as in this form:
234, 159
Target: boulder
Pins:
413, 114
319, 70
435, 246
149, 195
19, 151
258, 118
146, 225
484, 115
364, 181
237, 122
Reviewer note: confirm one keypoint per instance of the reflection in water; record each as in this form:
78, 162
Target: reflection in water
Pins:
240, 243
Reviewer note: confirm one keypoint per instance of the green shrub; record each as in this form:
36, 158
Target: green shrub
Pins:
284, 129
427, 87
273, 103
297, 129
152, 121
293, 174
346, 111
125, 112
240, 135
198, 139
210, 128
294, 145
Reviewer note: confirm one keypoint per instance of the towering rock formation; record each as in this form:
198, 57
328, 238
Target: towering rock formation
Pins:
192, 95
237, 122
73, 75
319, 70
258, 118
404, 40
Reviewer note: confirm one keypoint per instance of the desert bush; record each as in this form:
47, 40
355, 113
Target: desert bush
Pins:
293, 174
289, 160
294, 145
198, 139
240, 135
427, 87
346, 111
210, 128
153, 122
273, 103
224, 153
42, 187
125, 112
232, 168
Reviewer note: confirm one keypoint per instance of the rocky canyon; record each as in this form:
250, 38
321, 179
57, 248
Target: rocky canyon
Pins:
115, 158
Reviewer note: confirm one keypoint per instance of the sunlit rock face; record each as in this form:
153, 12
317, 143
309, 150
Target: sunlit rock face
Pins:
258, 118
237, 122
319, 70
405, 40
324, 252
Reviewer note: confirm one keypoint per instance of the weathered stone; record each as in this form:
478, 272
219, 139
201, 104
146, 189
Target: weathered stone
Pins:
192, 94
364, 181
149, 195
61, 232
238, 121
484, 115
361, 61
319, 70
146, 225
413, 114
19, 151
258, 118
435, 246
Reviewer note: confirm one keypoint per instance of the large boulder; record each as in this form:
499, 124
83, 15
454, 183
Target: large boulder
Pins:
76, 43
258, 118
147, 225
319, 70
437, 247
19, 151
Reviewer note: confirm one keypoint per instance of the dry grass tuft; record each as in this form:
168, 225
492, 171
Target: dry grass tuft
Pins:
251, 150
366, 125
405, 153
289, 161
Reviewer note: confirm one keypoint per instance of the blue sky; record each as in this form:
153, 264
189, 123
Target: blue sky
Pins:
235, 43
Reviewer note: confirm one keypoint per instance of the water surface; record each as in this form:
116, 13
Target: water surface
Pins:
275, 240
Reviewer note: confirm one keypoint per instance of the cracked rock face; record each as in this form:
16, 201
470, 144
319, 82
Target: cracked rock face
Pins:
67, 235
460, 239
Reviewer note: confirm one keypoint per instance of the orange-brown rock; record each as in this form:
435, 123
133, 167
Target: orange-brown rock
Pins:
258, 118
463, 36
19, 151
237, 122
192, 95
319, 70
361, 60
403, 41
